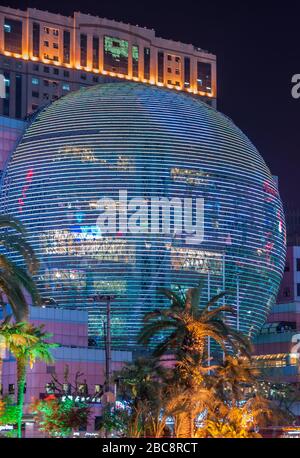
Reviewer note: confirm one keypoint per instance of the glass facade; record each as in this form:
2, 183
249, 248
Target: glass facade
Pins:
66, 46
160, 67
6, 101
204, 77
13, 36
115, 55
95, 52
187, 72
123, 141
147, 63
83, 50
135, 61
10, 132
36, 39
18, 94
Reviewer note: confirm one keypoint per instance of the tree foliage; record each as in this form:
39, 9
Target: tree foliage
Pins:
203, 399
58, 418
16, 280
9, 412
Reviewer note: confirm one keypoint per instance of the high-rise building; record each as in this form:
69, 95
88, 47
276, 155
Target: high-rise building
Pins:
277, 349
11, 131
277, 346
44, 56
292, 214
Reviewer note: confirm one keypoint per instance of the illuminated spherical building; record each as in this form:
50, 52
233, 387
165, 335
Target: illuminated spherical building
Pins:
122, 141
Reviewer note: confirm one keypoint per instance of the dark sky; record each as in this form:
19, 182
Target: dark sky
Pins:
258, 50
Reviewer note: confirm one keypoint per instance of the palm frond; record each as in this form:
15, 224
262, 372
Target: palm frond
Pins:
9, 222
175, 298
153, 328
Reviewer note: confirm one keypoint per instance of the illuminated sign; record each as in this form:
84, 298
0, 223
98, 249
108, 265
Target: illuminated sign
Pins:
86, 244
189, 176
6, 427
198, 260
88, 399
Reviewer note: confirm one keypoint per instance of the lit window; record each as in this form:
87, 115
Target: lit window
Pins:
11, 388
98, 389
66, 87
35, 81
115, 55
83, 389
67, 388
50, 388
7, 28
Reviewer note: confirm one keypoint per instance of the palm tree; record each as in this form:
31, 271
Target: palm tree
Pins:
189, 325
16, 280
141, 385
231, 378
240, 421
27, 343
12, 336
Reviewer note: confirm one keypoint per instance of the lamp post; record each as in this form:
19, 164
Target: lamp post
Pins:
108, 298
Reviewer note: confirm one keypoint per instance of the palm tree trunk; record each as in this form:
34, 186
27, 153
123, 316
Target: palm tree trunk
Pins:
185, 425
21, 380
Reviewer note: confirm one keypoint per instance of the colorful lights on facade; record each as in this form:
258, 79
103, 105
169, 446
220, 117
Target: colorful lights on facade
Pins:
174, 145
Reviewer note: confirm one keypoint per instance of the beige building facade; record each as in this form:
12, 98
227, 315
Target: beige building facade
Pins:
44, 56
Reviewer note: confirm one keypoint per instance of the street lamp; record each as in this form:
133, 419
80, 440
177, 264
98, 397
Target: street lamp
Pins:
108, 298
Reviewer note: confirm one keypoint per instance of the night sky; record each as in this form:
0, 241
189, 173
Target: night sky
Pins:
258, 52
